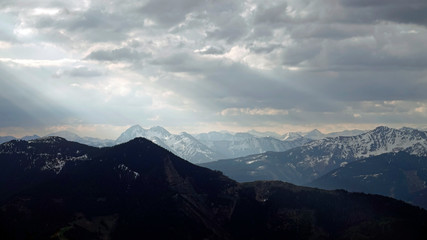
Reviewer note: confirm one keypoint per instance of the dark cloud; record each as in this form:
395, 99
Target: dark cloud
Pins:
311, 93
412, 11
169, 13
300, 52
273, 15
229, 27
276, 62
334, 31
92, 25
237, 86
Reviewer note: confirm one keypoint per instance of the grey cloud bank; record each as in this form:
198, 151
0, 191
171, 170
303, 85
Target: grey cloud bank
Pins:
212, 65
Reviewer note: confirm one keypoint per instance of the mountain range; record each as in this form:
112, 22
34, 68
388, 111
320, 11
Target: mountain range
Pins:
203, 147
4, 139
55, 189
199, 148
303, 164
229, 145
316, 134
96, 142
183, 144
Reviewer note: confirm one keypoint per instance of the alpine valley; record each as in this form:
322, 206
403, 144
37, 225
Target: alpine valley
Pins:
51, 188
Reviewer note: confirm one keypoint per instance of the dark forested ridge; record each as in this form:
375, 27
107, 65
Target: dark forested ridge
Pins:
398, 175
55, 189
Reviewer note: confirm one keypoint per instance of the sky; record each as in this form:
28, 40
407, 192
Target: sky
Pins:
96, 67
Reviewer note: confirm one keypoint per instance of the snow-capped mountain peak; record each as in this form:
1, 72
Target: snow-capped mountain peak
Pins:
380, 140
291, 136
183, 144
314, 134
159, 132
131, 133
303, 164
328, 153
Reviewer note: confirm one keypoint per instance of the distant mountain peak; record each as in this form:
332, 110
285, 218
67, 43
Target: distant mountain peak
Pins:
408, 129
159, 131
291, 136
314, 134
382, 129
49, 139
131, 133
184, 145
28, 138
316, 131
135, 128
187, 135
65, 134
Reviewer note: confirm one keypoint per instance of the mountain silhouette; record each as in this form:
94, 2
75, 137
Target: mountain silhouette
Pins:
137, 190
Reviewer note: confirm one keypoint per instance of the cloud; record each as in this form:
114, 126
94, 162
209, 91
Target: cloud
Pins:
210, 50
213, 63
116, 55
168, 13
253, 111
79, 72
84, 72
229, 27
412, 11
274, 14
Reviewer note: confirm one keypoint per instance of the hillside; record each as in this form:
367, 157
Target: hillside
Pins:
398, 175
303, 164
140, 190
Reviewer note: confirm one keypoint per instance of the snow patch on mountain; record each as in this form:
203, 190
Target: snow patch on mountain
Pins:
125, 171
56, 164
328, 153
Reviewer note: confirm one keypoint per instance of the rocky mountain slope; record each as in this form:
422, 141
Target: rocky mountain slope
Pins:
139, 190
306, 163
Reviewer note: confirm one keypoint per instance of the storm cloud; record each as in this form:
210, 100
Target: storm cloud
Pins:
203, 65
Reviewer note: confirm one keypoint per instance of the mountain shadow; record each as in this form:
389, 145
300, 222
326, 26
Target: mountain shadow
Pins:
64, 190
398, 175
